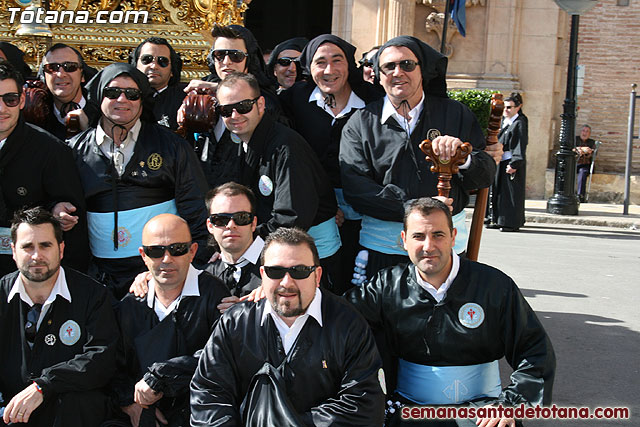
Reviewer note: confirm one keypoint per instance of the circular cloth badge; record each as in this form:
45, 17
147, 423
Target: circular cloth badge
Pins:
69, 332
265, 185
154, 161
235, 138
471, 315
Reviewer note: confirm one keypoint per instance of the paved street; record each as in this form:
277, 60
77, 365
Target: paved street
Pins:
584, 283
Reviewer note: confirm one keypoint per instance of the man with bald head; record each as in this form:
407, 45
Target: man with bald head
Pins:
162, 331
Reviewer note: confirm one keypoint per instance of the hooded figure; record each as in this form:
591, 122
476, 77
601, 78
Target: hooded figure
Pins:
296, 43
176, 61
433, 64
96, 86
16, 57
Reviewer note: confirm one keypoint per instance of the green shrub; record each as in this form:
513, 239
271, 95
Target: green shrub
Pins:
478, 101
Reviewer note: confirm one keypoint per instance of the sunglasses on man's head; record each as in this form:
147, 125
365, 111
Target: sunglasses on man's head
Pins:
233, 54
406, 65
11, 99
239, 218
162, 61
175, 249
297, 272
130, 93
67, 66
285, 61
242, 107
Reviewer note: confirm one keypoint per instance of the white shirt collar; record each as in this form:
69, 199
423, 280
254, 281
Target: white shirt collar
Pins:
354, 102
2, 143
508, 120
81, 103
252, 254
190, 289
314, 310
441, 292
159, 91
388, 110
59, 288
132, 135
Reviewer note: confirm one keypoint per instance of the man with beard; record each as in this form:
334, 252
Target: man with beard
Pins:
381, 164
161, 64
446, 322
302, 356
133, 169
58, 332
36, 169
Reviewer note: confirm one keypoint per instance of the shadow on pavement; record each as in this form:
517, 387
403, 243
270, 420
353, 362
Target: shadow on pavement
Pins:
598, 234
532, 293
598, 365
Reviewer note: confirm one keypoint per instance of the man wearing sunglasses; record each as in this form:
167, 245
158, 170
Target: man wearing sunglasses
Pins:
281, 169
58, 332
302, 356
36, 169
157, 59
64, 72
133, 169
416, 107
284, 62
162, 331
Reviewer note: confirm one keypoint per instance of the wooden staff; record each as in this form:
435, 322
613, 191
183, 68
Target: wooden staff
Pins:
199, 113
475, 234
445, 168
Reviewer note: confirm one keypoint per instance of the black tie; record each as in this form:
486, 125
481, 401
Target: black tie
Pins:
227, 276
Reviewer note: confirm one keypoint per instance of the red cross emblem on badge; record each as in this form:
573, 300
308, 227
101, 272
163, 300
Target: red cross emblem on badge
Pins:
69, 330
471, 313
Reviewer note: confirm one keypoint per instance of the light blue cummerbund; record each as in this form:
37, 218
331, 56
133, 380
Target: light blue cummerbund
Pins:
346, 208
447, 385
130, 225
327, 237
382, 236
463, 233
5, 241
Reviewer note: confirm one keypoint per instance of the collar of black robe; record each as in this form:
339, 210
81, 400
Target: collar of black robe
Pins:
433, 64
257, 145
97, 84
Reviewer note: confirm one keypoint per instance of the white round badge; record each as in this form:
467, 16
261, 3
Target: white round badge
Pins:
265, 185
471, 315
69, 332
50, 339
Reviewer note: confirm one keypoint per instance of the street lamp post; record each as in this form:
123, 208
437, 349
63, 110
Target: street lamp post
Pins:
564, 200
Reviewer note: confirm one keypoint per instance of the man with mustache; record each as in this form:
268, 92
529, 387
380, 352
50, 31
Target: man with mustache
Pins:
302, 356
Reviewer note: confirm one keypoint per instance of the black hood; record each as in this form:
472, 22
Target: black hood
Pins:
176, 61
296, 43
355, 76
255, 61
96, 86
16, 57
433, 64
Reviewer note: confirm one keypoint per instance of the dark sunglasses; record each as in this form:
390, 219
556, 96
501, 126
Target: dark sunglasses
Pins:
239, 218
242, 107
233, 54
11, 99
285, 61
30, 327
114, 93
297, 272
407, 65
162, 61
67, 66
175, 249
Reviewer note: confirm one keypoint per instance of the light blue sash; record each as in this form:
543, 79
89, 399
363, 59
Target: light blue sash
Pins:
447, 385
346, 208
130, 225
327, 237
463, 233
382, 236
5, 241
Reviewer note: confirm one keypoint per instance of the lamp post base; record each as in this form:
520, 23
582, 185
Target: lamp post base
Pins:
563, 205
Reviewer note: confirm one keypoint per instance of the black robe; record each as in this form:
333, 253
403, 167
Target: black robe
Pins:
249, 277
169, 357
37, 169
167, 103
53, 125
331, 377
178, 177
80, 370
508, 191
420, 330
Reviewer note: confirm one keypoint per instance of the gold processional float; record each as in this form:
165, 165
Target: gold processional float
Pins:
186, 24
